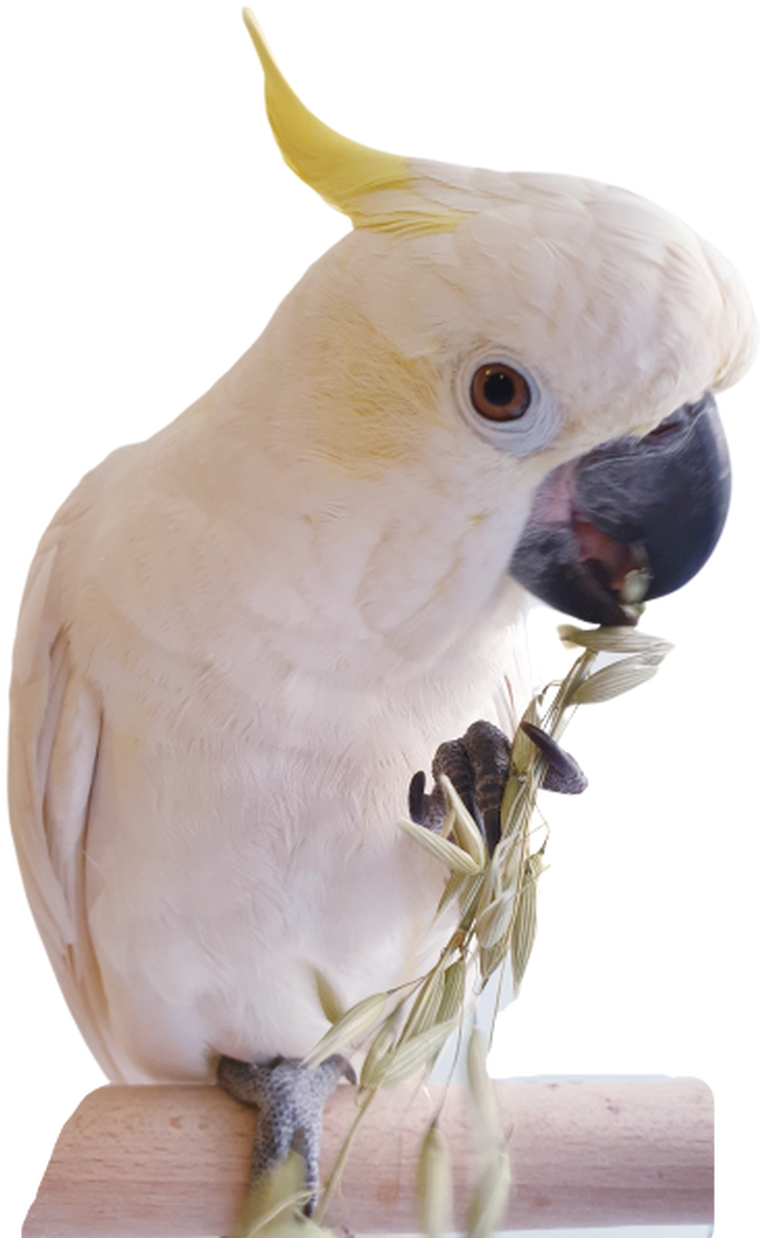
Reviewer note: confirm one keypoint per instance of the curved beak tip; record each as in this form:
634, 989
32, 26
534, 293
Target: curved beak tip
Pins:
643, 516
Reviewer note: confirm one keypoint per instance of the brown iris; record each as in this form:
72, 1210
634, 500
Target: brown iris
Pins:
500, 393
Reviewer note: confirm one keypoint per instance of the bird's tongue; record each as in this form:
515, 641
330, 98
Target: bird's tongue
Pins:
606, 560
568, 560
611, 563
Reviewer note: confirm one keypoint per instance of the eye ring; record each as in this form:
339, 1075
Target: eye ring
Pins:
499, 392
518, 429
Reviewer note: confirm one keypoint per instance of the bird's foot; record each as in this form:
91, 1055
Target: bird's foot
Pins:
289, 1099
478, 765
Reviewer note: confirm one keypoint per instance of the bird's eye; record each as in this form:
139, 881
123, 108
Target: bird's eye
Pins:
500, 393
509, 406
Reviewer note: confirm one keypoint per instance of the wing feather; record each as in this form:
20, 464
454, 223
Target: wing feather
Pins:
54, 740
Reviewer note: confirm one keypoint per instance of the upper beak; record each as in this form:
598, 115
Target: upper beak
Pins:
631, 520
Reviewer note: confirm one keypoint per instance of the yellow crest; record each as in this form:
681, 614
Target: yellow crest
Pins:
345, 173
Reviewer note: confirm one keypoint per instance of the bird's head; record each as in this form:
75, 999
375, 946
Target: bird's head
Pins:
547, 347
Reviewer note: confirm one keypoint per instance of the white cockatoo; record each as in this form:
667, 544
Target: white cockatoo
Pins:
242, 637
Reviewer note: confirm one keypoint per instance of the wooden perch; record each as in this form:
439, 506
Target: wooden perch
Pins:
164, 1161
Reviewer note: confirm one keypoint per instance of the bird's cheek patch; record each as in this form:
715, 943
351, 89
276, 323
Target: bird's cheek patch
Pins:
374, 405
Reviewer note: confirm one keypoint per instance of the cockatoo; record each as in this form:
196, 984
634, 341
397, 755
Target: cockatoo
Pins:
241, 638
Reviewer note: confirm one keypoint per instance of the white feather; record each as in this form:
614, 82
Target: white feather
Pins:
242, 637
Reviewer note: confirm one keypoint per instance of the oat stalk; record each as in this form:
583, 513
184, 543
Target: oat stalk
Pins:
404, 1031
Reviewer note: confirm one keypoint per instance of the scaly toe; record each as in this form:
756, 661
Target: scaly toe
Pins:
478, 766
289, 1098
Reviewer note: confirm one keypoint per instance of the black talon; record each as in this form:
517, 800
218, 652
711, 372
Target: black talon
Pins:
289, 1099
429, 810
426, 810
416, 798
563, 774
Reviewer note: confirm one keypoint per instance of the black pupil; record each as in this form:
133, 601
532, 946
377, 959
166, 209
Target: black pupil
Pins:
499, 388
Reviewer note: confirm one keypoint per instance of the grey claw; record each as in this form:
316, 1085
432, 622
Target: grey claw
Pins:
563, 774
289, 1099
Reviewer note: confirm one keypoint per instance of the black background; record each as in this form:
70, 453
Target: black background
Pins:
155, 229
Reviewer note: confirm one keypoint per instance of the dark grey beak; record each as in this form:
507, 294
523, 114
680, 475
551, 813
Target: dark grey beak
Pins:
632, 520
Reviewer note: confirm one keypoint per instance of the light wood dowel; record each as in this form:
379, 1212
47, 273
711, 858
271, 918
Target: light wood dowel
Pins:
157, 1162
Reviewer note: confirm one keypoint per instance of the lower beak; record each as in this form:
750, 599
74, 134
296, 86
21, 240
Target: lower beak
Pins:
631, 520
